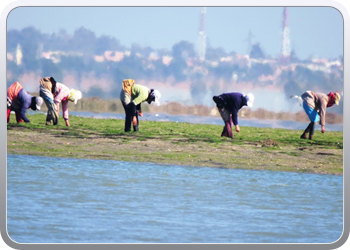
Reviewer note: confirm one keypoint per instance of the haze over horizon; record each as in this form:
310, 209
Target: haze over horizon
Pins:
229, 28
234, 29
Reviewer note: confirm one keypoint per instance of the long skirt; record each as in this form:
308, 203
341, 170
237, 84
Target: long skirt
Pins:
52, 115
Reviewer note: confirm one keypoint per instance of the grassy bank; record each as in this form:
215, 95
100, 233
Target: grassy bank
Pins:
179, 143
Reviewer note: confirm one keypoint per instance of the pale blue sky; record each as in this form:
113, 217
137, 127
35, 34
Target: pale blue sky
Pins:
315, 31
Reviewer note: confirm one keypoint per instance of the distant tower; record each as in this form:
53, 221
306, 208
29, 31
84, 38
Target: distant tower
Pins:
19, 55
202, 36
285, 37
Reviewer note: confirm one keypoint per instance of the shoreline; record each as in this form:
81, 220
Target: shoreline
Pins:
181, 144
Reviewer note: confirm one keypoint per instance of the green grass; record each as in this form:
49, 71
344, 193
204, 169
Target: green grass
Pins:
179, 143
179, 133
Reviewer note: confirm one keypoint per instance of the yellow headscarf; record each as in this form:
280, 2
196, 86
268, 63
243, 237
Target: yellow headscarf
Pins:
127, 85
74, 95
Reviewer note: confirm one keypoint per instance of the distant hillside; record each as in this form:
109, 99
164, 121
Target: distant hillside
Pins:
97, 66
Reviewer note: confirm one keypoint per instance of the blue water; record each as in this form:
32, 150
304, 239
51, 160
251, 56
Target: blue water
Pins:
57, 200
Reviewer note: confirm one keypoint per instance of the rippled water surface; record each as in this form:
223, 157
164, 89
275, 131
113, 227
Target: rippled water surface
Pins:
56, 200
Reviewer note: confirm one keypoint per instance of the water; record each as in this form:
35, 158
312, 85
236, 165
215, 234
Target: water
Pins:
57, 200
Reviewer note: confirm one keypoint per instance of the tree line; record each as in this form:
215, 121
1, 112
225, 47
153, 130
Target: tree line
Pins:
78, 51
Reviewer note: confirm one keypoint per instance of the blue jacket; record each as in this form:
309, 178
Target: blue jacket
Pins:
233, 103
24, 100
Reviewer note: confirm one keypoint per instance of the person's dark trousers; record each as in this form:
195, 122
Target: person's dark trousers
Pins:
130, 112
309, 130
227, 131
138, 108
225, 115
312, 128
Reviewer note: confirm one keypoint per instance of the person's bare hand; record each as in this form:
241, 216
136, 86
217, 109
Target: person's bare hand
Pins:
237, 128
67, 123
140, 113
323, 129
134, 120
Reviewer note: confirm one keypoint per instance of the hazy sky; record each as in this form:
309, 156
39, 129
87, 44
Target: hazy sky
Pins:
314, 31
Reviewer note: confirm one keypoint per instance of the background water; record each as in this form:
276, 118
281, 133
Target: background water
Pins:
57, 200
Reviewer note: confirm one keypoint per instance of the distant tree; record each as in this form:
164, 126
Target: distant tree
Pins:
212, 54
84, 41
224, 70
106, 43
13, 38
183, 50
144, 51
48, 68
257, 52
58, 42
29, 40
176, 69
29, 51
293, 57
292, 87
14, 71
258, 69
72, 63
180, 52
96, 92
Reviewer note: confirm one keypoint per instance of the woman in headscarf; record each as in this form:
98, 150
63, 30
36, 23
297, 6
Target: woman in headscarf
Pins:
131, 96
20, 101
315, 105
47, 89
55, 93
228, 105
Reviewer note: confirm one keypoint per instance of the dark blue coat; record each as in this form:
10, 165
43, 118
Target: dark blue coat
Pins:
233, 103
24, 101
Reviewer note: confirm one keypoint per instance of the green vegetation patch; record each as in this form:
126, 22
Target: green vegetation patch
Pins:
179, 144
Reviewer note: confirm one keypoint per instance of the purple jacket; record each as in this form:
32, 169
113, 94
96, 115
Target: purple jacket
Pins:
24, 101
233, 103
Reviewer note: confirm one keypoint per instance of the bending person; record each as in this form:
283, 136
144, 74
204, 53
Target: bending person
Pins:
315, 105
60, 94
228, 105
20, 101
47, 90
131, 96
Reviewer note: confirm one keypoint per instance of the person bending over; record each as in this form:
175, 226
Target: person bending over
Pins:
315, 105
131, 97
20, 101
228, 105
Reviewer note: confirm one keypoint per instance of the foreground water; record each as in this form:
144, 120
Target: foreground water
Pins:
57, 200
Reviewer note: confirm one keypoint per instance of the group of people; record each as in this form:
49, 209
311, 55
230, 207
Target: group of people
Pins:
314, 105
132, 95
51, 92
